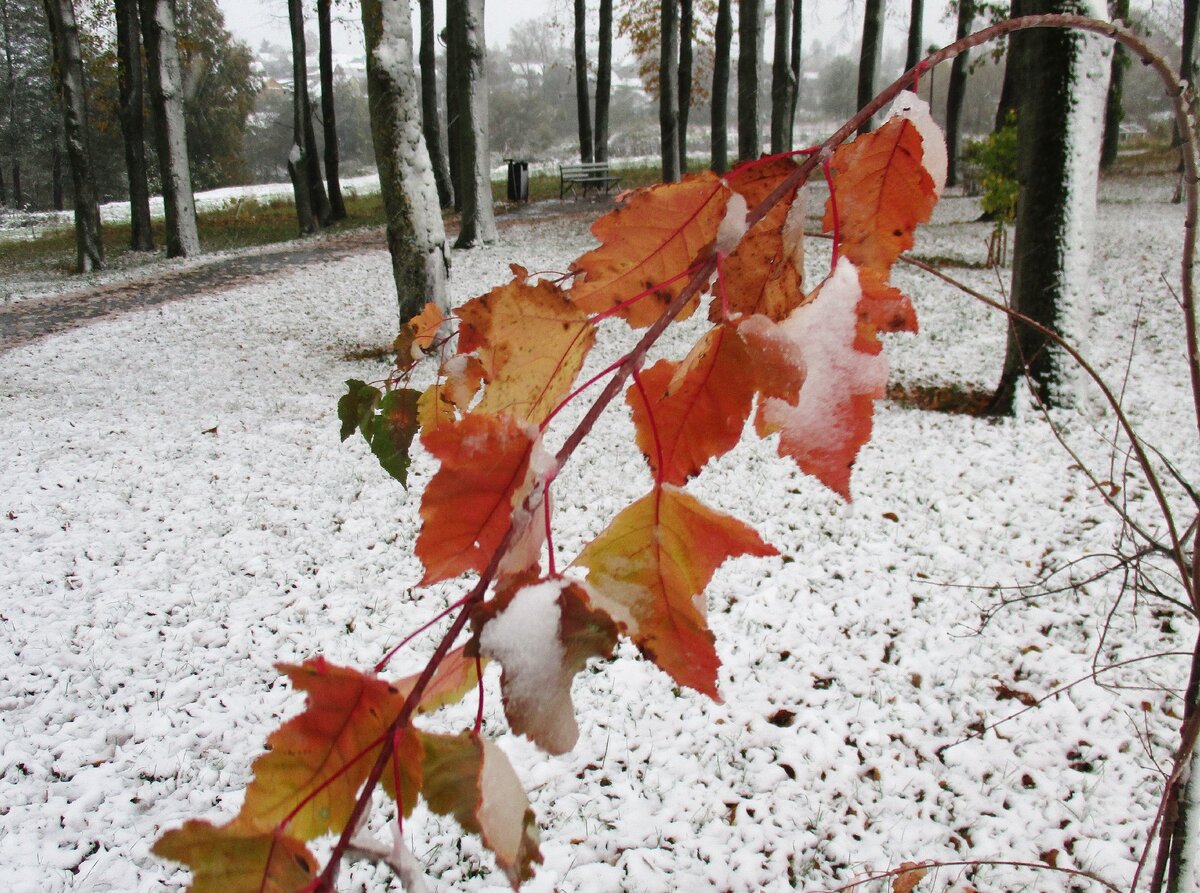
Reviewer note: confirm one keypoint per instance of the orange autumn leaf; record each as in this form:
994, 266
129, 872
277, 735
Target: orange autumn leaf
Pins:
530, 341
648, 571
695, 410
471, 779
235, 858
425, 325
468, 505
449, 398
776, 361
658, 235
765, 272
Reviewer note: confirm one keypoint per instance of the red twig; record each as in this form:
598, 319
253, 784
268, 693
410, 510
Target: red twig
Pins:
833, 212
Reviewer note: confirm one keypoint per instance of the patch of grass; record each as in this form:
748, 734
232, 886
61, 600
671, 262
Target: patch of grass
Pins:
1145, 158
942, 261
953, 399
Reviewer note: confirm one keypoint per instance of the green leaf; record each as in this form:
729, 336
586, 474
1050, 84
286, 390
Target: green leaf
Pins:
391, 432
357, 406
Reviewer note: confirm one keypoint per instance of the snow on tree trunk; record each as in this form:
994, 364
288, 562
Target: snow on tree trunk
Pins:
166, 92
431, 122
1062, 79
668, 91
416, 239
750, 28
337, 205
1185, 871
132, 100
303, 134
603, 81
478, 221
64, 35
307, 216
722, 38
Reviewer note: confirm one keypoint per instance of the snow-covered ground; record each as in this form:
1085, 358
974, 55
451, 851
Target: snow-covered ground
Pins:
178, 515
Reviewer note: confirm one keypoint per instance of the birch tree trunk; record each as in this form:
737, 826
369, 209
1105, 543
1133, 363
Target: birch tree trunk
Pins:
722, 38
603, 81
166, 97
478, 222
337, 205
64, 35
782, 86
131, 101
868, 60
668, 91
957, 92
750, 26
431, 121
583, 108
416, 239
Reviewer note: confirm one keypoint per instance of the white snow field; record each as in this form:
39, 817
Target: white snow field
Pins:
178, 515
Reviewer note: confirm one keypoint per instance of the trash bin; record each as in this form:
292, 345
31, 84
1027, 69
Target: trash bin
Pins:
518, 180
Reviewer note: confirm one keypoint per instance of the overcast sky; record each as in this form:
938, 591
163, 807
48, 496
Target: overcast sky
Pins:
256, 20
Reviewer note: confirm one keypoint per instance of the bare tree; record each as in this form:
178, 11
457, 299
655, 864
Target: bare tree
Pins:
956, 92
131, 101
720, 87
797, 33
307, 217
750, 28
783, 85
668, 91
915, 51
68, 61
166, 96
687, 27
416, 239
464, 26
431, 122
1114, 112
868, 60
337, 205
583, 108
603, 80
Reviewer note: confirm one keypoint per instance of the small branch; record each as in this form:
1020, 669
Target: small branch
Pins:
399, 859
977, 863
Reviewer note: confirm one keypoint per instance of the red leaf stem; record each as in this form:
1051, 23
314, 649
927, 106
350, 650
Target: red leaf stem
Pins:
837, 223
382, 665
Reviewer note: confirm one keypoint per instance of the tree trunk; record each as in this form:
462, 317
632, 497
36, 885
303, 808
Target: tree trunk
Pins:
166, 97
58, 198
10, 88
868, 60
302, 114
915, 51
131, 103
1114, 111
722, 38
668, 91
750, 22
64, 35
337, 205
475, 182
416, 239
797, 34
956, 92
1008, 91
431, 122
1048, 62
307, 216
583, 107
603, 81
686, 36
782, 84
454, 93
3, 186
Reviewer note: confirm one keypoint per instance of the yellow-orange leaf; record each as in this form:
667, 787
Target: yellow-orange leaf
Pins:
471, 779
531, 342
468, 504
235, 858
696, 409
765, 273
450, 396
648, 571
659, 234
425, 325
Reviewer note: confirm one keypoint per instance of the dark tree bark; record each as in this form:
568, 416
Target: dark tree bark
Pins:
337, 205
308, 218
58, 195
915, 51
416, 239
583, 106
782, 83
722, 38
750, 23
170, 131
1008, 88
431, 122
1114, 111
3, 185
64, 36
868, 60
956, 92
131, 102
1187, 56
454, 92
603, 81
302, 107
474, 178
1044, 59
668, 90
687, 27
797, 34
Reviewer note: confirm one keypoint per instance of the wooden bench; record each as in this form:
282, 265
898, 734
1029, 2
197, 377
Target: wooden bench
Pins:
587, 175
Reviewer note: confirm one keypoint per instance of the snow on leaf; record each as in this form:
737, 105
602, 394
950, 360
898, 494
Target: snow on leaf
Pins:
659, 234
697, 408
831, 417
542, 636
778, 362
468, 505
531, 342
648, 571
765, 273
391, 432
449, 398
471, 779
235, 858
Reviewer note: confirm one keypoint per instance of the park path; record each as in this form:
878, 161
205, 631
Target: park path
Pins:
30, 320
